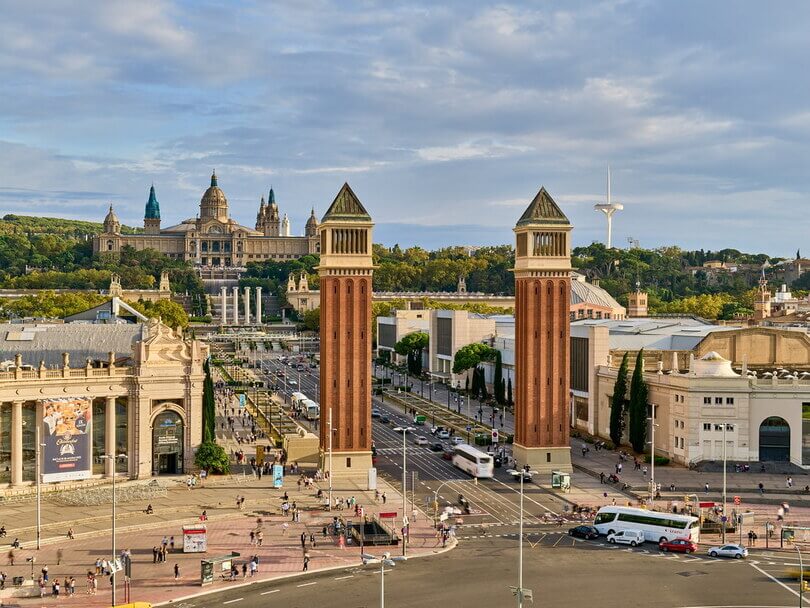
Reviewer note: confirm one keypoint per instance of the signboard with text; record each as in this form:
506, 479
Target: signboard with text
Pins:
66, 439
278, 475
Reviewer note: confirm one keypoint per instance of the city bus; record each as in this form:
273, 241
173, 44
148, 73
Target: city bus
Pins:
311, 410
472, 461
657, 526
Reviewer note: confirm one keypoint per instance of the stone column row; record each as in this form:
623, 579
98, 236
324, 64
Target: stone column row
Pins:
234, 317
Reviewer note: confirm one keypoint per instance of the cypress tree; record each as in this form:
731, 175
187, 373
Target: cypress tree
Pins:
618, 404
638, 406
498, 384
483, 384
509, 392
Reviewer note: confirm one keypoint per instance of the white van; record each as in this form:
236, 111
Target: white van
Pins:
627, 537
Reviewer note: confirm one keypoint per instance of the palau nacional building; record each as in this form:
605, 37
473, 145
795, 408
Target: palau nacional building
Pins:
213, 238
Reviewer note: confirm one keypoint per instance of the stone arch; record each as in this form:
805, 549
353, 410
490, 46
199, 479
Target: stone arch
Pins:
774, 439
168, 431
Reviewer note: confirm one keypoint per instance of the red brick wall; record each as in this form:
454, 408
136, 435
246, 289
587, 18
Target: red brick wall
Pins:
542, 361
346, 362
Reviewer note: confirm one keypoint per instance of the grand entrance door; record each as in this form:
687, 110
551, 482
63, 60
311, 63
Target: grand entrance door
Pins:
774, 439
167, 444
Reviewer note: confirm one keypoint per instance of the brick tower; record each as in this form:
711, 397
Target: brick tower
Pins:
542, 305
345, 283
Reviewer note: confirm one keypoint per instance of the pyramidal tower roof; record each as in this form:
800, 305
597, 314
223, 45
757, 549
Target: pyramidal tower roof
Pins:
346, 207
152, 206
543, 210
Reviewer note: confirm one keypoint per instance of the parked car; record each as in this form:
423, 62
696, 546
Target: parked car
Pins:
735, 551
626, 537
586, 532
437, 447
678, 545
443, 434
420, 441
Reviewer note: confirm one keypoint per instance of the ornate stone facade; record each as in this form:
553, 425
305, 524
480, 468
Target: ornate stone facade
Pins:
213, 238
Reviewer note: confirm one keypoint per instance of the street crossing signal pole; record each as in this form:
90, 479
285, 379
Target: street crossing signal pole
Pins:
404, 492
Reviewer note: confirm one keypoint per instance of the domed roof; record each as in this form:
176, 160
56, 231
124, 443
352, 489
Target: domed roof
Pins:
111, 217
713, 365
312, 221
214, 196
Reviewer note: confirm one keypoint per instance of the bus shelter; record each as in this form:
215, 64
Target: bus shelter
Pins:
560, 480
210, 567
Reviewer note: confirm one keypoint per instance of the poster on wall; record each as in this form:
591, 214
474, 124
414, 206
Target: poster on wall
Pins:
66, 439
278, 475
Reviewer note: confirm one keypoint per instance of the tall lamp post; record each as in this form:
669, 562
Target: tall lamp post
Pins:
724, 519
112, 457
330, 457
404, 492
801, 573
384, 560
652, 453
520, 592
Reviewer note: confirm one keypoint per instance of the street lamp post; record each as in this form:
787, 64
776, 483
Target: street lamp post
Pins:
384, 560
801, 574
404, 493
652, 453
519, 591
436, 501
724, 519
112, 457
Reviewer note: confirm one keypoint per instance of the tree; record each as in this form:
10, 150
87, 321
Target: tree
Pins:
509, 392
170, 313
638, 405
212, 458
412, 346
498, 384
209, 405
312, 320
471, 355
618, 404
482, 383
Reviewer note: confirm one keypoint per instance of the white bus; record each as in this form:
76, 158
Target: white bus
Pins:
297, 399
472, 461
311, 410
656, 526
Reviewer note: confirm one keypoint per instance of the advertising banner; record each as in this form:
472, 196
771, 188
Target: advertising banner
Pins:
67, 439
278, 475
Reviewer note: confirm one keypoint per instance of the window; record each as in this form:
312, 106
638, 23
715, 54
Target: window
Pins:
650, 520
604, 518
707, 426
718, 401
729, 400
718, 427
707, 400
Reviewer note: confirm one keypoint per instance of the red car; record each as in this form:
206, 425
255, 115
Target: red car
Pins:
682, 545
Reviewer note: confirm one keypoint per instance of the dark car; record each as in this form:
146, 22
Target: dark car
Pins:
437, 447
448, 453
587, 532
385, 420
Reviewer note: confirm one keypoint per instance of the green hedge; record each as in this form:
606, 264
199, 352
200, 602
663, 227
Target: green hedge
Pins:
659, 460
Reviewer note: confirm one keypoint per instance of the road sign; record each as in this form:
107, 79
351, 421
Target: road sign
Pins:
494, 435
388, 515
706, 505
737, 500
469, 427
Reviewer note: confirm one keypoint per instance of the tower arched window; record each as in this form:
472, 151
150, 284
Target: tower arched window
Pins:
110, 245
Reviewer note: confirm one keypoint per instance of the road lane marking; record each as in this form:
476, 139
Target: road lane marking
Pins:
341, 578
307, 584
776, 580
239, 599
558, 541
271, 591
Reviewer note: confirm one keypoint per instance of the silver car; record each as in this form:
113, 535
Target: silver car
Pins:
735, 551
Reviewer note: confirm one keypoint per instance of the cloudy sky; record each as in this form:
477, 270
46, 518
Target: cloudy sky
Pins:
445, 117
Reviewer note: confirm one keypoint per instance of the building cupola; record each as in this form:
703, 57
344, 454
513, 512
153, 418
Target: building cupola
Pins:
112, 225
151, 216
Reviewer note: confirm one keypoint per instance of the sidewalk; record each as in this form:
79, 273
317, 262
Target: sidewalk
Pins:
228, 530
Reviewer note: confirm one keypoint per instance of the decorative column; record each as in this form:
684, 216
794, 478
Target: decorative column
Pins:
110, 447
236, 305
246, 303
258, 305
345, 270
542, 305
16, 443
224, 299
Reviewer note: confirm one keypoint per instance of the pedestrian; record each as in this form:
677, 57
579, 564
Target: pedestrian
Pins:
750, 538
11, 557
59, 556
252, 537
259, 538
672, 487
754, 540
3, 577
312, 540
72, 586
706, 487
384, 497
56, 588
303, 540
244, 570
620, 466
70, 533
154, 554
171, 543
761, 488
306, 562
789, 482
176, 571
45, 572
